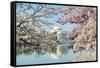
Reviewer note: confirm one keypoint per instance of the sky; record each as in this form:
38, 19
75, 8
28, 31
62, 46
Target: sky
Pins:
54, 18
65, 27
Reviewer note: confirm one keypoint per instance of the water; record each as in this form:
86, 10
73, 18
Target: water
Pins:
61, 53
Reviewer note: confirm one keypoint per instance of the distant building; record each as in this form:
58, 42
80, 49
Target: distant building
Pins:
62, 36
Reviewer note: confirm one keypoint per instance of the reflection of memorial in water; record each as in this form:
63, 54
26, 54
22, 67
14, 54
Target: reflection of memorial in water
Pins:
60, 51
54, 52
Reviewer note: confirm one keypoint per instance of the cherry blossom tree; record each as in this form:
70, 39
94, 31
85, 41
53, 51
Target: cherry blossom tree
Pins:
78, 15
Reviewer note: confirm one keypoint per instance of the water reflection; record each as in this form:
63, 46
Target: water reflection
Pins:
58, 52
29, 54
55, 51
